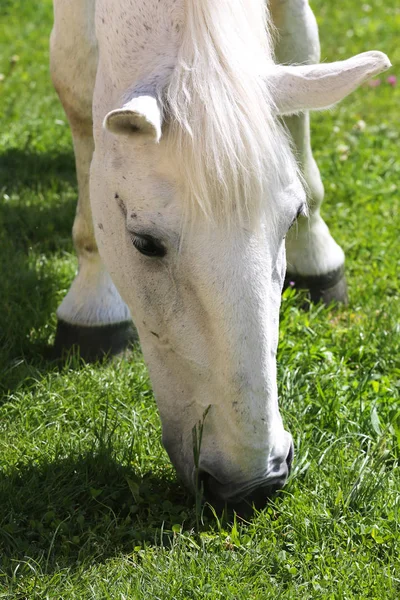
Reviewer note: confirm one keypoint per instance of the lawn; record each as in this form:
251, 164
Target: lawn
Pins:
90, 507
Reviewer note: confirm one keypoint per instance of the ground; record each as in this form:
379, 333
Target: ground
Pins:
90, 507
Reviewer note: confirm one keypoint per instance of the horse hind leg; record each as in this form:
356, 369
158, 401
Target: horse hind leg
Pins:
92, 315
314, 260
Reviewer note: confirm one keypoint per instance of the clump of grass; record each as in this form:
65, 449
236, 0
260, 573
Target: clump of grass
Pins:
197, 435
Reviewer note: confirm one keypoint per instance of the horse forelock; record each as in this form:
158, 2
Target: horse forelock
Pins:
233, 154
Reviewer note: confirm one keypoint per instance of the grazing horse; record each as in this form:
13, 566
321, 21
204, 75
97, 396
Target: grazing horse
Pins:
175, 110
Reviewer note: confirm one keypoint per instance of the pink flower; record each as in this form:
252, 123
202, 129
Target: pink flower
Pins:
392, 80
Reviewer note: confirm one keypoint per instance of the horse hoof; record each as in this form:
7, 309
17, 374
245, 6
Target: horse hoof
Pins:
93, 343
328, 288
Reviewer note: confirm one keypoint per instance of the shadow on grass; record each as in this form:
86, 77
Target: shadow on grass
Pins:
36, 216
37, 209
23, 168
5, 7
87, 507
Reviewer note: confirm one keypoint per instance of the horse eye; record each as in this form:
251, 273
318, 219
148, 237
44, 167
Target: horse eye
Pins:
148, 245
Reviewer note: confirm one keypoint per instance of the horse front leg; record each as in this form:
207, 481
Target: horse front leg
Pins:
314, 260
92, 315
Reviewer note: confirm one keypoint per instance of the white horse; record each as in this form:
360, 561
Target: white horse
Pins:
174, 109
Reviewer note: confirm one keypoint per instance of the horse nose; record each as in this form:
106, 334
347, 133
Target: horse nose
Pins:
221, 495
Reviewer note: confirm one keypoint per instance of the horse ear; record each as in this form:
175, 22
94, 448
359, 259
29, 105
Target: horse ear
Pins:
312, 87
139, 116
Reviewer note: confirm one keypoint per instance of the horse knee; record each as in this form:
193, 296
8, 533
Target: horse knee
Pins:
297, 41
73, 72
83, 235
92, 316
315, 261
315, 187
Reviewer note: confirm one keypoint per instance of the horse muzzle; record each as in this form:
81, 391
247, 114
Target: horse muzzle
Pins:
244, 497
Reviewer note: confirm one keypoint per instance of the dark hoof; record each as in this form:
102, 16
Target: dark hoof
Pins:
328, 288
93, 343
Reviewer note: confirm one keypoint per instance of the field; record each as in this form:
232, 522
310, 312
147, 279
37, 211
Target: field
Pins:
90, 507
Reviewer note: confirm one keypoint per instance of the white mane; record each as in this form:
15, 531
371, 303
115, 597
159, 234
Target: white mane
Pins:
233, 153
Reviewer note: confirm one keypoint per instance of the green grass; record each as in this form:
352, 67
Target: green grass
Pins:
90, 507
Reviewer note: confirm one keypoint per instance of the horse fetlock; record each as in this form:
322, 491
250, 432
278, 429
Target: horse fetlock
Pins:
92, 315
315, 261
92, 298
311, 249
